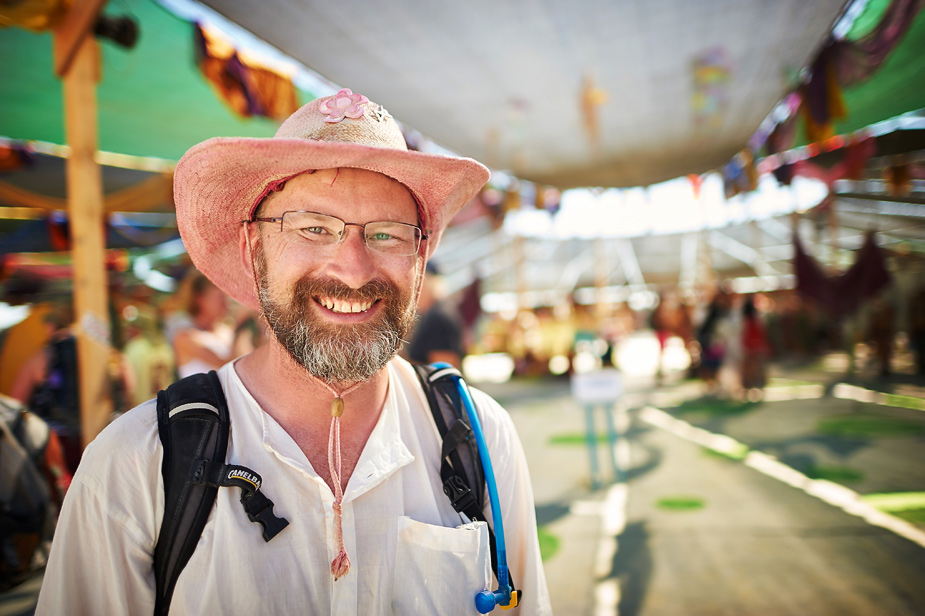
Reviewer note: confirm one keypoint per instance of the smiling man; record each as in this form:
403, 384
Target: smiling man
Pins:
326, 229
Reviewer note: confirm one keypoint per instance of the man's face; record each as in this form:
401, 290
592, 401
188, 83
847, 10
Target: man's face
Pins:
341, 311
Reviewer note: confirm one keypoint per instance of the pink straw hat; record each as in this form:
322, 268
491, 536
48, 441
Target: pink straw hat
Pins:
219, 182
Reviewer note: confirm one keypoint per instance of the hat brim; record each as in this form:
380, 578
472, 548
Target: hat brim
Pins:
217, 184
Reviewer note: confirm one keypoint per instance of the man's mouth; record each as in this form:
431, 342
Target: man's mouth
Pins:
344, 306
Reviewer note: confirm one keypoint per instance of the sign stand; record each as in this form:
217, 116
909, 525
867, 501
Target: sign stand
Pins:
601, 388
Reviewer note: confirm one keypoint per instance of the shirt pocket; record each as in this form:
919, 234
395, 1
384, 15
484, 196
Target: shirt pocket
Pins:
440, 570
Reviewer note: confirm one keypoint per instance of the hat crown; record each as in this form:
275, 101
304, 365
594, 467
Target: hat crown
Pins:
365, 123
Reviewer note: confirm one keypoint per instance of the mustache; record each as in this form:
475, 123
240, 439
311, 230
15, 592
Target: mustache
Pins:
309, 287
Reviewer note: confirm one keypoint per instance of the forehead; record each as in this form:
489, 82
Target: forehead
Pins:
347, 193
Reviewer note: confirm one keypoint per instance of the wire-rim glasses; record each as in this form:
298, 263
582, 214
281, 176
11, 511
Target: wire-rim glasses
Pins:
382, 236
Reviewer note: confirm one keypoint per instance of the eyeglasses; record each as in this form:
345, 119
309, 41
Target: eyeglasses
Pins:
387, 237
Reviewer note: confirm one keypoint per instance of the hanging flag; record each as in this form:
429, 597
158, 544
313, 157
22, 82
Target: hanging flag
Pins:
249, 89
711, 74
592, 98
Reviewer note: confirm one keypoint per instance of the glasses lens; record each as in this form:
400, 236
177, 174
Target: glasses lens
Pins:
316, 228
393, 238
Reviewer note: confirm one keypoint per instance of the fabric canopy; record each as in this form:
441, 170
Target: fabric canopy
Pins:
583, 93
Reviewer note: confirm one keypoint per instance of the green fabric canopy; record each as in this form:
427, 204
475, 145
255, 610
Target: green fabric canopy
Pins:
153, 100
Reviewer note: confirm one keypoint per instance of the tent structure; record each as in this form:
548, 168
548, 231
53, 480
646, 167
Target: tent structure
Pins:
582, 93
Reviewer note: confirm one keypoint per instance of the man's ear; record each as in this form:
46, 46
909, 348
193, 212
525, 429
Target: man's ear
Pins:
245, 249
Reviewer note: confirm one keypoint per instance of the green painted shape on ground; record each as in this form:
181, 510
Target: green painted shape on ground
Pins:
574, 438
913, 516
896, 501
680, 503
715, 407
905, 402
872, 426
738, 455
549, 543
837, 474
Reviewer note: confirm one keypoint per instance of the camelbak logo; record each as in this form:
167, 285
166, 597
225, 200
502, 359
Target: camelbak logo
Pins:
245, 475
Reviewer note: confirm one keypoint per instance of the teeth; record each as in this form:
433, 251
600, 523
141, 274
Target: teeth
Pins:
336, 305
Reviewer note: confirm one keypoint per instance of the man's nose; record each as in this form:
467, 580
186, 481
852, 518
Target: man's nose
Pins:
351, 261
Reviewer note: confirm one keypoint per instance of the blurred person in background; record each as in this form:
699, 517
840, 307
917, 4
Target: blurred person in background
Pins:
438, 335
150, 355
880, 331
202, 340
49, 382
713, 338
670, 318
755, 350
251, 332
917, 328
49, 385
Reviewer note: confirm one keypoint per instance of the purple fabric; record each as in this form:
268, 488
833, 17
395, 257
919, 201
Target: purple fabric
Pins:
811, 280
842, 295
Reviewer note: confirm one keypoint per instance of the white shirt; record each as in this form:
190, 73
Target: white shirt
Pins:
408, 556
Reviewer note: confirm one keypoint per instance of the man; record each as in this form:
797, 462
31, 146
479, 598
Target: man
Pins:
325, 228
438, 336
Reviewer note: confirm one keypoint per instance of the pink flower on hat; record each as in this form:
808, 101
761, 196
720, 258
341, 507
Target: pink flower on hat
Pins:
344, 104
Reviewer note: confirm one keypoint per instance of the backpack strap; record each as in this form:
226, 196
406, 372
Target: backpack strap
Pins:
460, 464
193, 425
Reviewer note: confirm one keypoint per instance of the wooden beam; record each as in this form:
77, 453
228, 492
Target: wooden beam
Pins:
85, 205
73, 30
154, 194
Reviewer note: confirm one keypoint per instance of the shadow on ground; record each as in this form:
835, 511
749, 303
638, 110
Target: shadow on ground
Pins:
632, 566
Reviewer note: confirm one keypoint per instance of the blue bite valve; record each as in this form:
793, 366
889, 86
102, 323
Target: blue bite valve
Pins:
486, 600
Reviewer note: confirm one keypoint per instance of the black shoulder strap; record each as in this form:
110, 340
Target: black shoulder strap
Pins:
193, 424
460, 464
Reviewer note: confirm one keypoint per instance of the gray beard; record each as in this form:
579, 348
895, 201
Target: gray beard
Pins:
337, 353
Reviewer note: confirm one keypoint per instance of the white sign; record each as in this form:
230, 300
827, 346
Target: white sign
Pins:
598, 387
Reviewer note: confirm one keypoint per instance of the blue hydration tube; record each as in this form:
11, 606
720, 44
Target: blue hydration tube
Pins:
486, 600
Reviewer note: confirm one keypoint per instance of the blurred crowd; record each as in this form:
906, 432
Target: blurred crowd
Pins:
155, 340
725, 339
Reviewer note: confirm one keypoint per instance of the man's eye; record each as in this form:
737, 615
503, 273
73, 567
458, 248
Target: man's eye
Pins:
380, 237
316, 230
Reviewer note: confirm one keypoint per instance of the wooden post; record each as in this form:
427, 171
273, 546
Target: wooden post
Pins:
88, 242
